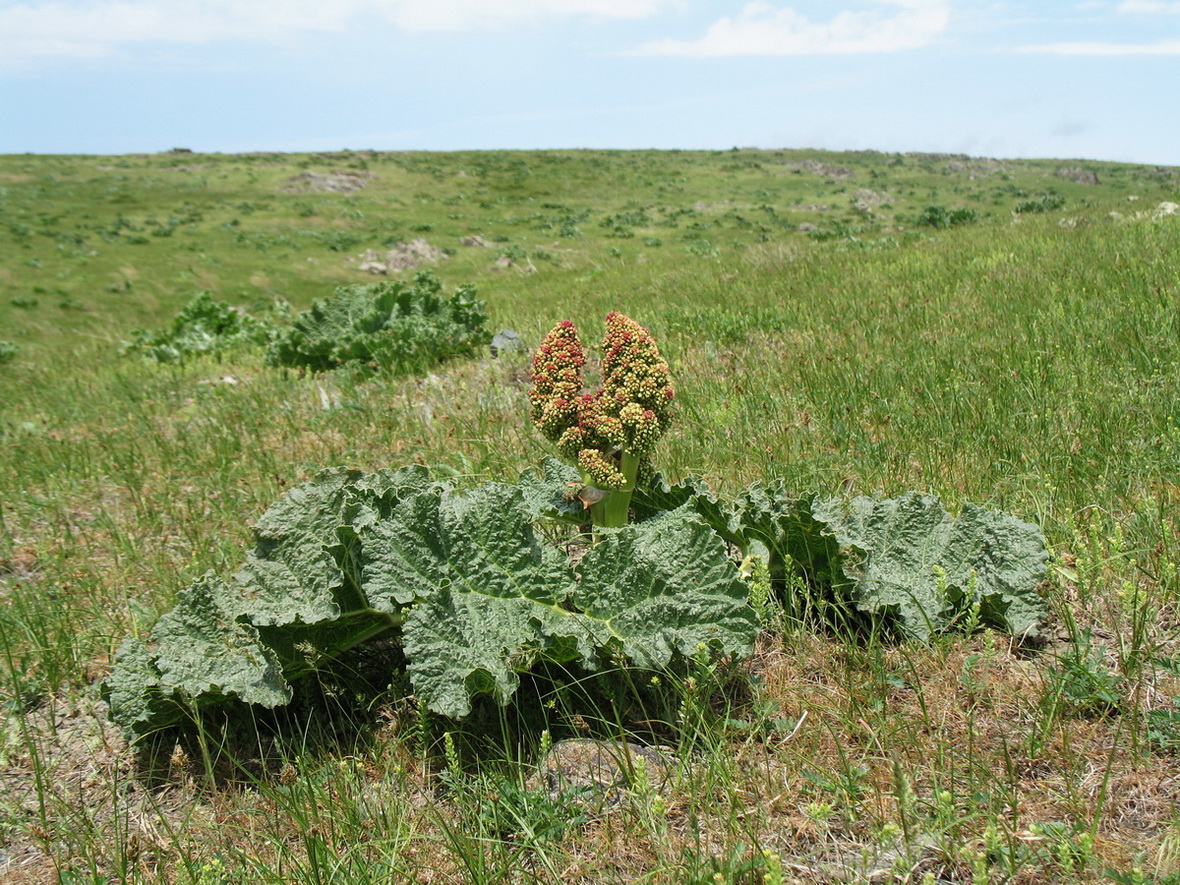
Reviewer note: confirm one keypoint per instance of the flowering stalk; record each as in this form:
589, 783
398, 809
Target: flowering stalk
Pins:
608, 434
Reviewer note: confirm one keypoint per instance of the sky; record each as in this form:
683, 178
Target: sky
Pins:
1087, 79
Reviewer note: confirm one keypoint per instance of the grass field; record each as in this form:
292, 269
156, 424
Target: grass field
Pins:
1002, 332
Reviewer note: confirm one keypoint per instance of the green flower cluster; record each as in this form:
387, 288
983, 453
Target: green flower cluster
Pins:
609, 434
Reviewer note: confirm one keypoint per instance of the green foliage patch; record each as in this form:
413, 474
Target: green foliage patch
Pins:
390, 326
903, 565
203, 326
476, 593
463, 580
940, 217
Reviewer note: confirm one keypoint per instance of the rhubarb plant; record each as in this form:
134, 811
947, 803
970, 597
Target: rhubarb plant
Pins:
462, 580
397, 327
475, 588
608, 434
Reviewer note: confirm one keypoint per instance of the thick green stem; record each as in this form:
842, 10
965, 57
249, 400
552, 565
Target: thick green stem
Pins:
614, 511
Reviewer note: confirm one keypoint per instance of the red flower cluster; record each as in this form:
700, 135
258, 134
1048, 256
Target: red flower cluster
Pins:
557, 380
628, 414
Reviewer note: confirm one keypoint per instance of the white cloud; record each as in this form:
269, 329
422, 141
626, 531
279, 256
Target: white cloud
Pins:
96, 28
1164, 47
763, 29
1151, 7
456, 15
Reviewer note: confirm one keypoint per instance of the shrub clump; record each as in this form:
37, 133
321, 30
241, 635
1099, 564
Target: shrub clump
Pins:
388, 326
1044, 203
940, 217
203, 326
8, 351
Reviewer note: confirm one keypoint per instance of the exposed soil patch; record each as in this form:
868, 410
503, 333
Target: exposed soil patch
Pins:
816, 167
339, 182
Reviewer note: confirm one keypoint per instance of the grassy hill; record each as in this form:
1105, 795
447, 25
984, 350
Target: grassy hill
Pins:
996, 331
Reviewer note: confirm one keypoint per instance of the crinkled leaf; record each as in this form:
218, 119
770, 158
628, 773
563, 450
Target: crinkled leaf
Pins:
551, 493
377, 495
784, 524
488, 588
890, 550
795, 543
480, 541
202, 649
291, 575
902, 558
908, 558
133, 695
664, 587
461, 643
999, 561
692, 493
404, 558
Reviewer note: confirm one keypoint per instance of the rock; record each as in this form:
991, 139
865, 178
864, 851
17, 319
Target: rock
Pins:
602, 769
404, 256
506, 341
807, 227
865, 200
341, 182
1166, 208
1078, 175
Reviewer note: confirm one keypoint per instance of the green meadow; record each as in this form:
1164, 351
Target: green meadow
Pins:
1000, 332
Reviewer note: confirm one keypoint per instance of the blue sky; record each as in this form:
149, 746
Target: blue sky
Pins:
1097, 79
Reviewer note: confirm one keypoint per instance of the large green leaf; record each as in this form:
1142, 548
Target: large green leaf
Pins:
693, 494
291, 575
201, 648
907, 558
495, 600
551, 493
781, 527
132, 692
999, 561
461, 643
489, 592
891, 552
783, 523
664, 587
